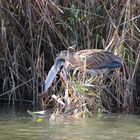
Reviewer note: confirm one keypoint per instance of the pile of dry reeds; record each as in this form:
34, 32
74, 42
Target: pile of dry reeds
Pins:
34, 31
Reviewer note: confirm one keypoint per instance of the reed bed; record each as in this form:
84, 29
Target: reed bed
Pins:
34, 32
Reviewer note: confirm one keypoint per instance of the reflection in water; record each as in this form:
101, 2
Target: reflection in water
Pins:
104, 127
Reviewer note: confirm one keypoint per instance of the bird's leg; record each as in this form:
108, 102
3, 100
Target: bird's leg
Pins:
64, 76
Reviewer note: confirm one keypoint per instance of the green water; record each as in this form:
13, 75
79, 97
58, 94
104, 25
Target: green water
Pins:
105, 127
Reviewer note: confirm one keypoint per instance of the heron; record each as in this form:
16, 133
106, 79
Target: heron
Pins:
97, 61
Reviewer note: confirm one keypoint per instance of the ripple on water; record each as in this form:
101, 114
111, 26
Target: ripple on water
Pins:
102, 128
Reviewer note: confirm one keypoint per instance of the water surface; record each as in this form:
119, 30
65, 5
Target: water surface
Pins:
105, 127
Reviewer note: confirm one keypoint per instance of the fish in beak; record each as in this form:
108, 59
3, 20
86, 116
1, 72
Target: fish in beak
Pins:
53, 72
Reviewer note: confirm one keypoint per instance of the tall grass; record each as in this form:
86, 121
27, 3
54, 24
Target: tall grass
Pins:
33, 32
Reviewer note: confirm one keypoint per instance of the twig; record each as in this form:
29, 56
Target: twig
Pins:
16, 88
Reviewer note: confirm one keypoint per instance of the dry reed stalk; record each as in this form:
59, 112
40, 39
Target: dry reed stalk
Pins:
30, 29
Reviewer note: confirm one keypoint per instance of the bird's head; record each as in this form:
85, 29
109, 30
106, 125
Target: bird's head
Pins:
65, 55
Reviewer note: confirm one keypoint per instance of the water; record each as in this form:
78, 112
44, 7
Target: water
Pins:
105, 127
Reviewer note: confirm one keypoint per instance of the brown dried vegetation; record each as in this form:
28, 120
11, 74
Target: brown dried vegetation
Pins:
34, 31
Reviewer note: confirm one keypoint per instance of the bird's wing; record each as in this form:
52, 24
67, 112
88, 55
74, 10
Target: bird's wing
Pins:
97, 59
102, 59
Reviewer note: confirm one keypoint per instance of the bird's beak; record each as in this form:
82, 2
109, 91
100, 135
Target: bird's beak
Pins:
53, 72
